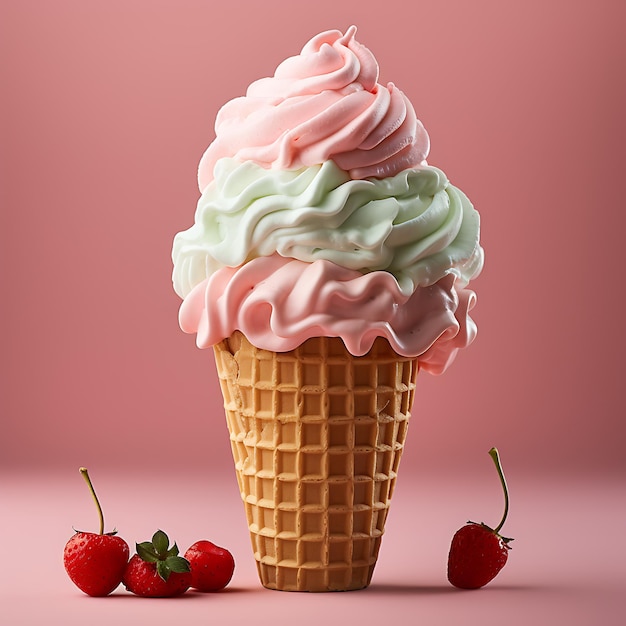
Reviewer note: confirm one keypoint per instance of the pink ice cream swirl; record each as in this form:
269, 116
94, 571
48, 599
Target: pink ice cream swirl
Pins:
325, 103
278, 303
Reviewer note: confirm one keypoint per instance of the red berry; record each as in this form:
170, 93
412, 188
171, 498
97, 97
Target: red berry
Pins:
477, 552
212, 567
476, 556
156, 571
142, 579
95, 563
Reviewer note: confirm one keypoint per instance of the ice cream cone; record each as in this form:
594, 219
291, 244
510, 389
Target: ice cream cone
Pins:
316, 435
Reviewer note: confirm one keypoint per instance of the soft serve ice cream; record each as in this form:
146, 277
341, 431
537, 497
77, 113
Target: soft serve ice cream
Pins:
320, 216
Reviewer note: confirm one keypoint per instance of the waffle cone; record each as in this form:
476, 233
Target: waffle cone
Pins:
316, 435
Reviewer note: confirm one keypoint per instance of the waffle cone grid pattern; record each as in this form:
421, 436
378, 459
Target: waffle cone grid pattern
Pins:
316, 436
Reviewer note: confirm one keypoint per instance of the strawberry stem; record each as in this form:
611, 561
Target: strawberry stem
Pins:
85, 475
493, 453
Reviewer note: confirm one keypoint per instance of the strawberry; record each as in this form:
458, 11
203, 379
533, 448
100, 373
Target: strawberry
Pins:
156, 571
212, 567
95, 562
478, 552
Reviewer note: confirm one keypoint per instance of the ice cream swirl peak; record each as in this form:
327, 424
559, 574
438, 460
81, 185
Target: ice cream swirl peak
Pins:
325, 103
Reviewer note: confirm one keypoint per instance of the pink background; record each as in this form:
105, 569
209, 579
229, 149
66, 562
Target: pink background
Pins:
106, 109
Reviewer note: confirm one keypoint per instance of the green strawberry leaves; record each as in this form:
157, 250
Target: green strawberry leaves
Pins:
161, 542
166, 559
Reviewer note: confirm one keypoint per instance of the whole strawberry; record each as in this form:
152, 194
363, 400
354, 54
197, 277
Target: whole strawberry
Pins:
478, 552
212, 567
95, 562
156, 571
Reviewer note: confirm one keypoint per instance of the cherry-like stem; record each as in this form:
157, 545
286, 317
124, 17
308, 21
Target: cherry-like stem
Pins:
493, 453
85, 475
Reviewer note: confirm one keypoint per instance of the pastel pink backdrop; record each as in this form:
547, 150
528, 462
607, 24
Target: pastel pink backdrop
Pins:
106, 109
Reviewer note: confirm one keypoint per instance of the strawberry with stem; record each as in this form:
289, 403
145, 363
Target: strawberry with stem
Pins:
478, 552
94, 562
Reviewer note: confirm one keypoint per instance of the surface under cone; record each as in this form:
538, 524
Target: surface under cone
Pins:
316, 435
